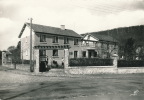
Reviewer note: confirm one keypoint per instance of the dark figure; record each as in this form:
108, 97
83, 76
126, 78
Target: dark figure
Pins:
42, 66
55, 64
62, 62
46, 64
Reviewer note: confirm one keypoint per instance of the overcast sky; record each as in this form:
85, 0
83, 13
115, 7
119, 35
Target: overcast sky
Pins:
79, 15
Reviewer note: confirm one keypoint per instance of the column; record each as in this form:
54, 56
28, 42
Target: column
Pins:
115, 60
37, 60
87, 53
66, 57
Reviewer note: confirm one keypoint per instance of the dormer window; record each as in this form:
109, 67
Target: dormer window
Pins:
66, 40
42, 38
55, 39
75, 41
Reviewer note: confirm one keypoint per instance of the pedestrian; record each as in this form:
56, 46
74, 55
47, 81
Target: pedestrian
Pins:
62, 62
46, 63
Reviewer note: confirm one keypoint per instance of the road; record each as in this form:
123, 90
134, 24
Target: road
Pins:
85, 87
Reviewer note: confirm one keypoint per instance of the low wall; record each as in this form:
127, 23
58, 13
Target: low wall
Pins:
103, 70
24, 67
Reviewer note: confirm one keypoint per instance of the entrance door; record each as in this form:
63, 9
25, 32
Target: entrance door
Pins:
43, 61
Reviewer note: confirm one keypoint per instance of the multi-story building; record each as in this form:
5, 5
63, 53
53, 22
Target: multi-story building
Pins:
100, 46
51, 43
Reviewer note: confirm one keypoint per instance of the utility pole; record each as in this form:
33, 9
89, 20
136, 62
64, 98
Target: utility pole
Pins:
31, 65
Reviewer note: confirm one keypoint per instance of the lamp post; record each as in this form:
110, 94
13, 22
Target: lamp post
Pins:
31, 65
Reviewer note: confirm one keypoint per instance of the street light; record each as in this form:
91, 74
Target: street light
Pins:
31, 65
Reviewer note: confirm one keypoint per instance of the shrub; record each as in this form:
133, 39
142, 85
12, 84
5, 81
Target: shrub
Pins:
90, 62
131, 63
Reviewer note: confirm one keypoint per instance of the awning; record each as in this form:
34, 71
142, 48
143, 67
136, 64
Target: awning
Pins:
53, 47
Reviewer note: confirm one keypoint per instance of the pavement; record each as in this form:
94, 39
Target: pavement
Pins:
61, 73
23, 85
52, 72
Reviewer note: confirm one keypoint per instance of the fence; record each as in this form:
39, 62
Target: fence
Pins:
132, 63
90, 62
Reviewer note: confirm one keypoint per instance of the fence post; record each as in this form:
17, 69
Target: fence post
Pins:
115, 60
66, 55
3, 58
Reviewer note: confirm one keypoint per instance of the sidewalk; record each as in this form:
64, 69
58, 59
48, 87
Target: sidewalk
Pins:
51, 73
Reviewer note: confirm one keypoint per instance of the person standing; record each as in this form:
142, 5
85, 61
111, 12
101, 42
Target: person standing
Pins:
62, 62
46, 63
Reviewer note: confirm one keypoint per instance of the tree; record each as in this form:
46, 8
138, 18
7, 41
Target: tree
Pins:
11, 48
129, 49
15, 52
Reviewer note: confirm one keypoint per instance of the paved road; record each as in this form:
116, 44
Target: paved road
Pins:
87, 87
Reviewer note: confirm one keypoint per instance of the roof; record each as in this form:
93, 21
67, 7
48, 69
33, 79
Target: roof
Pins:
104, 37
50, 30
101, 37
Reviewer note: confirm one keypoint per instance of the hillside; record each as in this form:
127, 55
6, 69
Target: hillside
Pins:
123, 33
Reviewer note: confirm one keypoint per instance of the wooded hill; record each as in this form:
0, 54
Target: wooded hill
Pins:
123, 33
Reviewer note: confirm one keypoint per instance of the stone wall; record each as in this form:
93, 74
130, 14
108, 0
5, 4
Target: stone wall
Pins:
103, 70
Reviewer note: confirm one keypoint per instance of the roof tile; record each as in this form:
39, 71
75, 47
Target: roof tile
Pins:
53, 30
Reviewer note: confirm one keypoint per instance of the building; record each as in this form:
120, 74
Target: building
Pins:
50, 41
122, 34
49, 44
100, 46
6, 58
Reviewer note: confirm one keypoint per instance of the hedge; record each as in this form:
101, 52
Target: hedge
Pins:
90, 62
132, 63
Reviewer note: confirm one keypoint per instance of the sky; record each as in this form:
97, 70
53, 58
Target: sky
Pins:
82, 16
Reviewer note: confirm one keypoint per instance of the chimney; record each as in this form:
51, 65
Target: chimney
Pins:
62, 27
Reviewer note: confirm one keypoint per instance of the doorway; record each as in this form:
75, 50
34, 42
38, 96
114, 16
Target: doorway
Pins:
92, 53
43, 61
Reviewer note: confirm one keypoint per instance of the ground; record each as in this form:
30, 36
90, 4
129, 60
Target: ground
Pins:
14, 86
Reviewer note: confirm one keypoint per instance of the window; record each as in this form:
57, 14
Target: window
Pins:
42, 38
95, 54
55, 52
83, 53
55, 39
87, 43
75, 41
75, 54
42, 52
66, 40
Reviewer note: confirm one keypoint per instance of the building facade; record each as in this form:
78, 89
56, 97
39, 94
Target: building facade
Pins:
99, 46
51, 43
